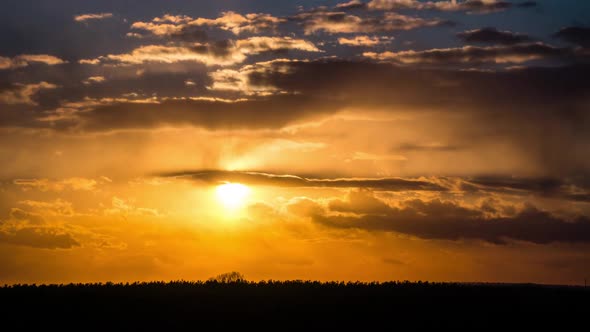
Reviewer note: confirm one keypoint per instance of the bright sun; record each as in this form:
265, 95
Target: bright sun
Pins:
232, 195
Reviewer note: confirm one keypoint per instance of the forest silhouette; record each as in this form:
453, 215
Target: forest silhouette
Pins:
230, 300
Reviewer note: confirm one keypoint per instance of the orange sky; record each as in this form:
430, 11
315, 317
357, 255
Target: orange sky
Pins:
368, 140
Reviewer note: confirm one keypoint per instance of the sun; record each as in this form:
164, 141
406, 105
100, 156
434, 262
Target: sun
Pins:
232, 195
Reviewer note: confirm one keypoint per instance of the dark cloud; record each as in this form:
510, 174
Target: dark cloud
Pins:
214, 53
342, 22
191, 34
31, 230
563, 189
539, 110
213, 114
353, 4
527, 4
267, 179
24, 94
176, 25
541, 185
482, 6
371, 84
571, 189
492, 36
360, 202
442, 220
39, 237
575, 34
25, 60
475, 55
469, 6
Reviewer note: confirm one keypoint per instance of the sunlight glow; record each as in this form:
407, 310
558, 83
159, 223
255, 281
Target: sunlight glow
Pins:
232, 195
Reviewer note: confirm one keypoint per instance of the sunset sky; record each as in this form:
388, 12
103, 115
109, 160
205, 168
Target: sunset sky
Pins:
330, 140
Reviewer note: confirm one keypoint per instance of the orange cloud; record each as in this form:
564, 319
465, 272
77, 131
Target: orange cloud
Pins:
340, 22
169, 25
366, 41
502, 54
24, 93
89, 17
222, 53
26, 60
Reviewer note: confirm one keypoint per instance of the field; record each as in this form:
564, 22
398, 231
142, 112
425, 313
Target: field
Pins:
293, 305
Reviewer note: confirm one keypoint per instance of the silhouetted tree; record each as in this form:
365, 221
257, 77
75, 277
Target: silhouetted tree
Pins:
229, 277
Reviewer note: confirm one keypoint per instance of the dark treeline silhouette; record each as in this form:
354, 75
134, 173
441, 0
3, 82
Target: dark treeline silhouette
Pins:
223, 302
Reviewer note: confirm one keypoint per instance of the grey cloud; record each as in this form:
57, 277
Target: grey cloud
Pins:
360, 202
214, 53
39, 237
25, 60
341, 22
177, 25
468, 6
539, 110
527, 4
212, 114
31, 230
492, 36
353, 4
448, 221
575, 34
572, 189
268, 179
92, 17
476, 55
24, 93
567, 189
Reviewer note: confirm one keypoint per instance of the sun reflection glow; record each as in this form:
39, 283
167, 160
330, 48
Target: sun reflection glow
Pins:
232, 195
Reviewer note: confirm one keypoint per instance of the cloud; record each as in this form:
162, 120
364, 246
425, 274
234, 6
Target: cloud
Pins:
365, 41
94, 80
304, 207
24, 93
222, 53
570, 189
469, 6
268, 179
359, 202
181, 25
240, 80
445, 220
75, 184
473, 55
38, 237
31, 230
566, 189
56, 208
340, 22
128, 208
477, 107
352, 4
167, 25
238, 23
492, 36
92, 17
211, 113
26, 60
575, 34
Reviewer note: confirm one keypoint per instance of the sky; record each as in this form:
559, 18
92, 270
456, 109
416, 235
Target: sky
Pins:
325, 140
